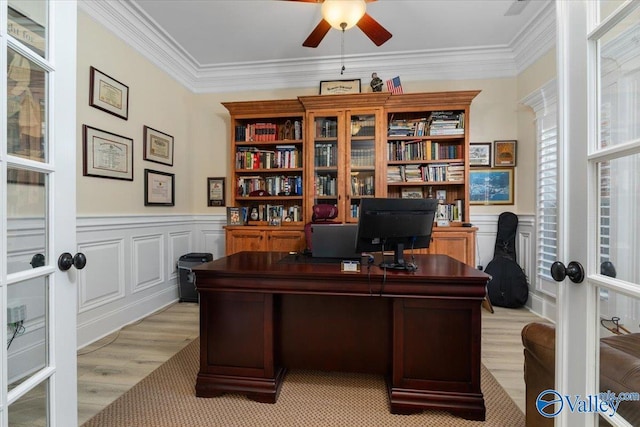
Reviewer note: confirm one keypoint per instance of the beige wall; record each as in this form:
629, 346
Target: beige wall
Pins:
155, 100
200, 126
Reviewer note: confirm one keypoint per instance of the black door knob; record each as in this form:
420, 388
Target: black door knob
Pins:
574, 271
66, 260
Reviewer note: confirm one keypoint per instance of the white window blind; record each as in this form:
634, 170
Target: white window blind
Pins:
544, 103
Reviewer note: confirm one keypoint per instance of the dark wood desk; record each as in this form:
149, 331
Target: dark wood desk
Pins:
260, 316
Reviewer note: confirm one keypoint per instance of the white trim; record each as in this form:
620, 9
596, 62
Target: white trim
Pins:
129, 23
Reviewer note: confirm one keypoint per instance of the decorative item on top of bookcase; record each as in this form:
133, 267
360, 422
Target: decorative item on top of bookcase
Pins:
480, 154
333, 87
491, 186
158, 146
504, 153
215, 192
108, 94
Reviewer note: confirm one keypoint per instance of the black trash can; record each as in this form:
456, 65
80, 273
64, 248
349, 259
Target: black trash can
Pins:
187, 278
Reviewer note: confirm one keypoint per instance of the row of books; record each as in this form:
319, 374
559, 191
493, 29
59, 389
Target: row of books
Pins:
326, 128
363, 185
437, 123
451, 211
269, 131
446, 123
276, 185
423, 150
363, 156
283, 157
325, 155
440, 172
326, 185
363, 127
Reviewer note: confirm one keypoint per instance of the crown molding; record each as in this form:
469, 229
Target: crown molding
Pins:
140, 32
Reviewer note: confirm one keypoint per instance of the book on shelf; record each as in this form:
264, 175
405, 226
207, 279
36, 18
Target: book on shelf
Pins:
453, 212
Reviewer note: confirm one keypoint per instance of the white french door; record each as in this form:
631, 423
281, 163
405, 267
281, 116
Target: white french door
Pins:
599, 123
37, 212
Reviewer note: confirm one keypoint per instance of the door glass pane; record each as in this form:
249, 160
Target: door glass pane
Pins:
619, 355
619, 57
325, 161
27, 23
31, 409
26, 91
26, 227
362, 161
619, 234
27, 324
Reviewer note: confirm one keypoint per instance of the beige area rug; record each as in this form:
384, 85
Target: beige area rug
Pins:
308, 398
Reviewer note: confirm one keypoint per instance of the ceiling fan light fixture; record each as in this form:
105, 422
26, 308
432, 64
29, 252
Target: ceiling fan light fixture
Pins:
340, 12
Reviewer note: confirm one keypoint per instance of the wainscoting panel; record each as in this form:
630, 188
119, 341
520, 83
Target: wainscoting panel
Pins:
104, 272
148, 265
131, 266
179, 244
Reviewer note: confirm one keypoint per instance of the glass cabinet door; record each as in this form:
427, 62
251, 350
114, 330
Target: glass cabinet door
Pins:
327, 151
361, 161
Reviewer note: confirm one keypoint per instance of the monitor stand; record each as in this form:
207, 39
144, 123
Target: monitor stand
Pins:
398, 260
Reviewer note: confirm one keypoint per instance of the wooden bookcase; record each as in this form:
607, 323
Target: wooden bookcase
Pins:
267, 174
355, 146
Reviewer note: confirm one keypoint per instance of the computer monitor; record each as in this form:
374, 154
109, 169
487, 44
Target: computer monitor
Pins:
393, 225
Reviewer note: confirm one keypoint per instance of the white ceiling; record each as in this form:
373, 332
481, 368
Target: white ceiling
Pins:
247, 38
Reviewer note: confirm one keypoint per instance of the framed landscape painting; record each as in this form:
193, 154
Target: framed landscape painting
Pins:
491, 186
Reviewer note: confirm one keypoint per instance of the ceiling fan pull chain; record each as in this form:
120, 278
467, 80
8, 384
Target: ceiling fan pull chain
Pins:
343, 25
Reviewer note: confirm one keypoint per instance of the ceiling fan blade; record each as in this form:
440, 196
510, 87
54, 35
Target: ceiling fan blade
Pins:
376, 32
516, 7
317, 34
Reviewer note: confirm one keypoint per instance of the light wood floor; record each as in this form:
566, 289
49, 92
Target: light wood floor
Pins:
109, 367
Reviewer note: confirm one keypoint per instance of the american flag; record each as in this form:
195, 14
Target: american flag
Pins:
394, 85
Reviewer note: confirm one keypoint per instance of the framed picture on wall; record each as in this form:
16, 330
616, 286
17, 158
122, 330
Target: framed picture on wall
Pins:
504, 153
158, 146
215, 191
159, 188
491, 186
106, 155
108, 94
480, 154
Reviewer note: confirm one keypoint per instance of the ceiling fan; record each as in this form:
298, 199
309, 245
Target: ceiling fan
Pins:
369, 26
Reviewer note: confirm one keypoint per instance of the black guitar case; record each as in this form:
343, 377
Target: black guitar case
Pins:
508, 286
